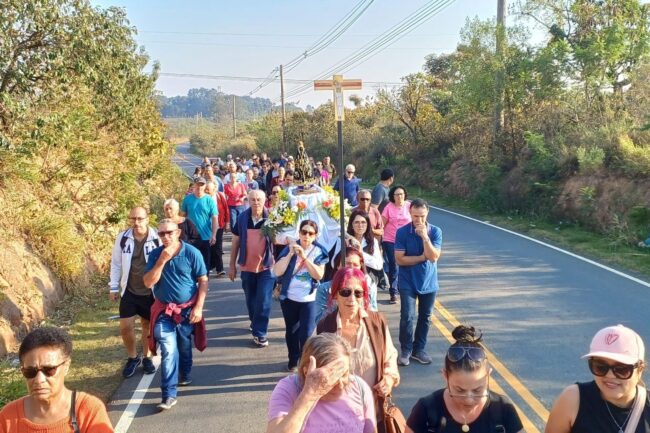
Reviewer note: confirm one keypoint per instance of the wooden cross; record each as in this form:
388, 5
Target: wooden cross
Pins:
338, 84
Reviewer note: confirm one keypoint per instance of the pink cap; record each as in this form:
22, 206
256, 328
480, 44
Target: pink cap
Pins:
617, 343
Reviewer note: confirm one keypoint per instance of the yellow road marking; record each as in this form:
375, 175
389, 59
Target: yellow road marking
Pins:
512, 380
529, 427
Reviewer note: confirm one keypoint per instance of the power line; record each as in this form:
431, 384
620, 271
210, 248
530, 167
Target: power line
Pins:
324, 41
253, 79
273, 34
378, 44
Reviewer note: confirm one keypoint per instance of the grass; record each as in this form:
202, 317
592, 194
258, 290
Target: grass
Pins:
602, 248
97, 355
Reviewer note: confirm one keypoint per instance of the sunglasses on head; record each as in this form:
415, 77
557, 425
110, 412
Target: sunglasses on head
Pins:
347, 292
307, 233
621, 371
457, 353
48, 370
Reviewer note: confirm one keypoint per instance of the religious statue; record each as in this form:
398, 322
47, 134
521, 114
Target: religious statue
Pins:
303, 172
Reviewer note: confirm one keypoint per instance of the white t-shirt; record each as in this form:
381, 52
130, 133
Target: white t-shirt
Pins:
300, 284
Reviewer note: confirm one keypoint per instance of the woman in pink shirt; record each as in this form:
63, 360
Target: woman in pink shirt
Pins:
395, 215
324, 396
236, 194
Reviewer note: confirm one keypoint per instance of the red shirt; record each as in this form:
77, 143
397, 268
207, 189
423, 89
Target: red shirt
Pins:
235, 194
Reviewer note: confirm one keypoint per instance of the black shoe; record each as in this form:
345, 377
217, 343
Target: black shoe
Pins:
393, 299
147, 366
167, 403
130, 366
184, 381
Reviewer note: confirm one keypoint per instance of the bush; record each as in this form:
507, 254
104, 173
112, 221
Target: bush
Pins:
632, 160
590, 160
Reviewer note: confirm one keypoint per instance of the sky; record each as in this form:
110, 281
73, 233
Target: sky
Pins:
250, 38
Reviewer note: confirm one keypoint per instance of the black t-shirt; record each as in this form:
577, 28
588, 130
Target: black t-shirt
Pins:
418, 421
593, 415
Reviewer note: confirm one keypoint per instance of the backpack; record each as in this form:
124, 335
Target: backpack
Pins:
125, 238
437, 422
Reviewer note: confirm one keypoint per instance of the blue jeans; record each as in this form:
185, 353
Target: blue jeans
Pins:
300, 322
234, 213
322, 299
176, 351
258, 290
409, 342
389, 253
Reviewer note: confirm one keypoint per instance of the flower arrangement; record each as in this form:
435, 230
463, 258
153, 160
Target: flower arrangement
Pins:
332, 205
283, 214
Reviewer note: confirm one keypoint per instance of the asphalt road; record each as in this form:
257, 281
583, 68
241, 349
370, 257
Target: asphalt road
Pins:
538, 309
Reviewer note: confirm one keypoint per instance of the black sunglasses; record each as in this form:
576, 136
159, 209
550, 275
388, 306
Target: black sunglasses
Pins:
307, 233
621, 371
48, 370
457, 353
347, 292
166, 233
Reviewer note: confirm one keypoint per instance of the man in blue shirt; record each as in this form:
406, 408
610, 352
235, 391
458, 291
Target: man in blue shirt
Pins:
201, 209
350, 185
174, 270
417, 250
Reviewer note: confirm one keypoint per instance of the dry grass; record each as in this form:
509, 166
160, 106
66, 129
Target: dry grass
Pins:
97, 355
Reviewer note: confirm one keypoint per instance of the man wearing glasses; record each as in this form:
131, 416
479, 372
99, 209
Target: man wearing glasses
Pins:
130, 256
350, 185
179, 278
202, 210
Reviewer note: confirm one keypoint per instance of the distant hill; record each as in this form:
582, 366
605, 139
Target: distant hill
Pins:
216, 105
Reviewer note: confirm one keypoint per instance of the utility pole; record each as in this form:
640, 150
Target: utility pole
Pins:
284, 116
234, 119
500, 73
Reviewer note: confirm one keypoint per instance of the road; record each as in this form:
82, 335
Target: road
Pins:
537, 307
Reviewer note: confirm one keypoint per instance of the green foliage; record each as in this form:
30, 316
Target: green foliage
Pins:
216, 105
82, 140
633, 160
590, 160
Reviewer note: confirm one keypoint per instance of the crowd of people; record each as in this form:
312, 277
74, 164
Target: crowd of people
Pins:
342, 361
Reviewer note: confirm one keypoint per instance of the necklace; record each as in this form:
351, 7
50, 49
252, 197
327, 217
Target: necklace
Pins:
464, 427
620, 427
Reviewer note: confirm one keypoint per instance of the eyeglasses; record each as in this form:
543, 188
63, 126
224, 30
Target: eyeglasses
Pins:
345, 293
364, 199
275, 192
469, 395
360, 223
350, 172
457, 353
48, 370
621, 371
166, 233
307, 233
137, 218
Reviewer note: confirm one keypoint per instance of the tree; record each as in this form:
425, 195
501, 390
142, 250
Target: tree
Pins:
411, 104
603, 40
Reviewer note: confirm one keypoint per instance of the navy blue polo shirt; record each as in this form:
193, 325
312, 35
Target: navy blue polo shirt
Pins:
423, 277
177, 282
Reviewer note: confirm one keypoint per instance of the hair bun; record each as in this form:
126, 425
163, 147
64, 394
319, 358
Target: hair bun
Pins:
466, 334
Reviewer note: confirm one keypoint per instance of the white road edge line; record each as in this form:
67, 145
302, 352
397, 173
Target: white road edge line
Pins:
584, 259
136, 400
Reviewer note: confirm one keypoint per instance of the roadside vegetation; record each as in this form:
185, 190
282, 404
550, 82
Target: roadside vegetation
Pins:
81, 142
572, 152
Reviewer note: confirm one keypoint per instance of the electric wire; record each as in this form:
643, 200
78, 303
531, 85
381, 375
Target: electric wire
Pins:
324, 41
377, 45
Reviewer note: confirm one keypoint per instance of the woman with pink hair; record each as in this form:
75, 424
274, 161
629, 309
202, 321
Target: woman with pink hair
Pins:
374, 357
